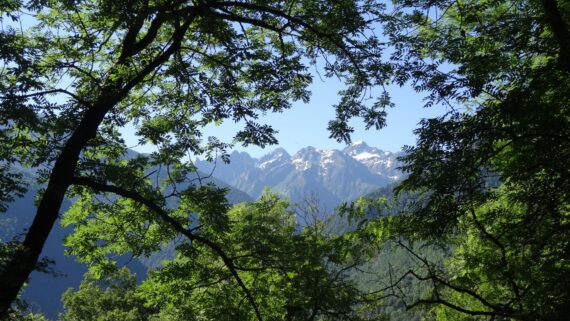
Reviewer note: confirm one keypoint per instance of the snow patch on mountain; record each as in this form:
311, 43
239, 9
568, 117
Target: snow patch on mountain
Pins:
327, 157
266, 164
301, 164
365, 156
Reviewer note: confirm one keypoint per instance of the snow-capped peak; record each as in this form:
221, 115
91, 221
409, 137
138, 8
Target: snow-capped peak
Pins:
357, 148
304, 158
359, 143
276, 157
377, 160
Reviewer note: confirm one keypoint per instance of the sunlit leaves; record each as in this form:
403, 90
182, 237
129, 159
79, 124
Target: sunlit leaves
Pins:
105, 228
292, 272
110, 298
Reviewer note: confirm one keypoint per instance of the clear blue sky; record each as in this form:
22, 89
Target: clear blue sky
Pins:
306, 124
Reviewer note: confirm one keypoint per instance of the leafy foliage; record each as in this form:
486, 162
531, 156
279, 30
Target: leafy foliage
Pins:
493, 177
73, 73
292, 273
109, 298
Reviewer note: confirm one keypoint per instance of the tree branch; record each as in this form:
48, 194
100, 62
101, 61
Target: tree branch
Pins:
433, 277
47, 92
296, 20
177, 226
559, 29
494, 240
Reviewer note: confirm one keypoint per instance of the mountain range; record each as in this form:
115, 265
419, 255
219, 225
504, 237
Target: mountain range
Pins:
333, 176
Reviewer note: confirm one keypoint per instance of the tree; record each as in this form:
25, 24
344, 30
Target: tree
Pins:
493, 171
293, 272
84, 69
110, 298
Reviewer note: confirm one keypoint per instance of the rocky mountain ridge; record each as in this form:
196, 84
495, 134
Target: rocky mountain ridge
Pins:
333, 176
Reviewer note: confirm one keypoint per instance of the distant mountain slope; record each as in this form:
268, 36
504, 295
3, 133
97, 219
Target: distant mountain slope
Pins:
339, 224
333, 176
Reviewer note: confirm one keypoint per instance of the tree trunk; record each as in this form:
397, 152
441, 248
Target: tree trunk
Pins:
559, 29
23, 262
